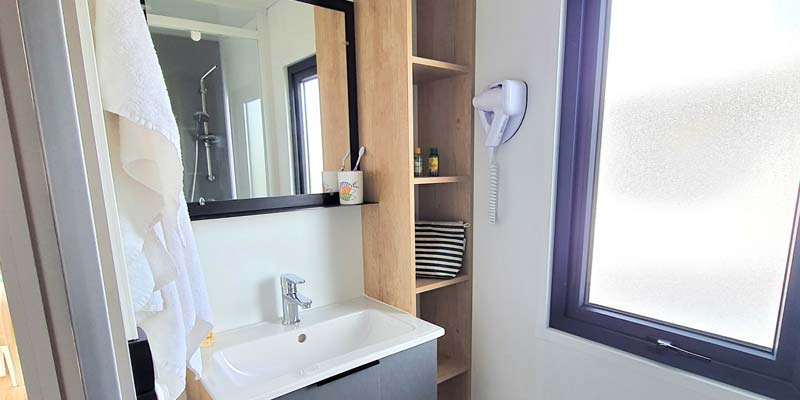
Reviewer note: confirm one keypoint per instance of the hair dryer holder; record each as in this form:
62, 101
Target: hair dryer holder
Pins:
514, 121
501, 109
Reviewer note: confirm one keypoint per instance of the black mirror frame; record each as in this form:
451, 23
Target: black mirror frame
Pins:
276, 204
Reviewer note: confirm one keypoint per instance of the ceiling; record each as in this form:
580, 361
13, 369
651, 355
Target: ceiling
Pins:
237, 13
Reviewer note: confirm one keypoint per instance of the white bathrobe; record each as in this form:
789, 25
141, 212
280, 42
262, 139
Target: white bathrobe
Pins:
165, 279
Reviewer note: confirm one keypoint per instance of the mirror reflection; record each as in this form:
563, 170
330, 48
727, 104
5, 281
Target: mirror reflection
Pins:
259, 92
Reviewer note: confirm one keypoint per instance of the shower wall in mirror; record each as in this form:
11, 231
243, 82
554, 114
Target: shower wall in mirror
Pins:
259, 91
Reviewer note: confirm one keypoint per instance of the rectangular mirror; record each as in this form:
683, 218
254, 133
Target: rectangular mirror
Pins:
263, 92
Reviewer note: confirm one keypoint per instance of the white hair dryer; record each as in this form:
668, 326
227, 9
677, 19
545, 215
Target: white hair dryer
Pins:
501, 109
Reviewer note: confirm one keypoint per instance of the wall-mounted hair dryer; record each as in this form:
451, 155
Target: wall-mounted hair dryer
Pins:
501, 109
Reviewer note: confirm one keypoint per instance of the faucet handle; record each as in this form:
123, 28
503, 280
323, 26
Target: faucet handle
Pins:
290, 282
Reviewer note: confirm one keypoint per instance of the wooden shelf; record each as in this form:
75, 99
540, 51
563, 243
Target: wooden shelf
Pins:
427, 284
427, 70
449, 368
431, 180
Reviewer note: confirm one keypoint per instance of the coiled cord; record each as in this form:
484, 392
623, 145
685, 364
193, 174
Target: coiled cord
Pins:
494, 182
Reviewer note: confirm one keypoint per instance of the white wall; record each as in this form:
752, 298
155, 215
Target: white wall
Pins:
242, 77
515, 355
243, 257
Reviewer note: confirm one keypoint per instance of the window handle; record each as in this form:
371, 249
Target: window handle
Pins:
666, 344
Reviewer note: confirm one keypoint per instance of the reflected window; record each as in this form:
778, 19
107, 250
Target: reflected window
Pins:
306, 125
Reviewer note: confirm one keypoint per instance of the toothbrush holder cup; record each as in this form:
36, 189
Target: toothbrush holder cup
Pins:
330, 182
351, 187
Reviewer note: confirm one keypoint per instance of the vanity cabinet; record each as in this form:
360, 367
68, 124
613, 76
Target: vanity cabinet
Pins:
408, 375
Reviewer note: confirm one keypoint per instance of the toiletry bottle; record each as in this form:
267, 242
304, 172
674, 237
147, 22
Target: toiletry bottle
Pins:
417, 162
433, 162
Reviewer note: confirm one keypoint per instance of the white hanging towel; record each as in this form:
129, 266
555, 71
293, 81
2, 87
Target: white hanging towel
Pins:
165, 279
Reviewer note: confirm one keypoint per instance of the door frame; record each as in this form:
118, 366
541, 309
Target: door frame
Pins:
53, 191
20, 276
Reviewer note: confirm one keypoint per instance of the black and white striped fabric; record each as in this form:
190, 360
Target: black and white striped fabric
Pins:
440, 248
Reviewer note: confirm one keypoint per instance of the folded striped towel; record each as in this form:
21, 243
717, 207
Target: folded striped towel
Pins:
440, 248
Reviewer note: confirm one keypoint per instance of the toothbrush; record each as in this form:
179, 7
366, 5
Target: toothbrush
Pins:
361, 152
344, 160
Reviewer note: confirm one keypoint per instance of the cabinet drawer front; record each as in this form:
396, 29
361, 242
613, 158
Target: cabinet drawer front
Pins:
362, 384
408, 375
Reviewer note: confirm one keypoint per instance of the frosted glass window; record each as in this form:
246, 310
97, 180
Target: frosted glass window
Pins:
699, 164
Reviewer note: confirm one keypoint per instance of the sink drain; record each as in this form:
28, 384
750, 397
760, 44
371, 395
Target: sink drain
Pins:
301, 338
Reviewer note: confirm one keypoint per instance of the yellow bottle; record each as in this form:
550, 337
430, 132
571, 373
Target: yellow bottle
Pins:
433, 162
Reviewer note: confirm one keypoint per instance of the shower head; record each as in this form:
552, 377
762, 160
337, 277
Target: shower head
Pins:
203, 85
212, 69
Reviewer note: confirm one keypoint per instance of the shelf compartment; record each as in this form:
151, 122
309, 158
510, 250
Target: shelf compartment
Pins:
449, 368
427, 70
428, 284
431, 180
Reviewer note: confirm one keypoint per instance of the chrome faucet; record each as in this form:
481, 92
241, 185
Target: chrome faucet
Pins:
291, 299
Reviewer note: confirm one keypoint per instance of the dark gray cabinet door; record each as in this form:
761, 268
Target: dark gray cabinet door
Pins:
408, 375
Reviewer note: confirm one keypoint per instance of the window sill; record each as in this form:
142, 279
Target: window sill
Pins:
650, 369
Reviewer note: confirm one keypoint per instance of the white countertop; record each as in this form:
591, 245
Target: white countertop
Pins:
268, 360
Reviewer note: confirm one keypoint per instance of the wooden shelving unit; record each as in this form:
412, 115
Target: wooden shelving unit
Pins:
432, 180
418, 95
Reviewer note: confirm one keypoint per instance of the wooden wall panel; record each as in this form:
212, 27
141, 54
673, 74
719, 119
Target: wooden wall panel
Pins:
383, 44
331, 45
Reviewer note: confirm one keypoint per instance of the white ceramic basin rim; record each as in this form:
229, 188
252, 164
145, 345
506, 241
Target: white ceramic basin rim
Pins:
301, 350
268, 360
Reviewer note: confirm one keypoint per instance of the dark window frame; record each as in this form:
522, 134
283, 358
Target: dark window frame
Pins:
298, 73
775, 373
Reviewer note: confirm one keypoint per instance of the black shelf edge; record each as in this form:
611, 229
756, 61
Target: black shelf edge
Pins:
265, 205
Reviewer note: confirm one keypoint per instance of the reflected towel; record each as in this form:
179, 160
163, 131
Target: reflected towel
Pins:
165, 279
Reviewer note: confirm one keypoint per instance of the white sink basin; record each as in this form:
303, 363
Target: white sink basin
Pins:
268, 360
